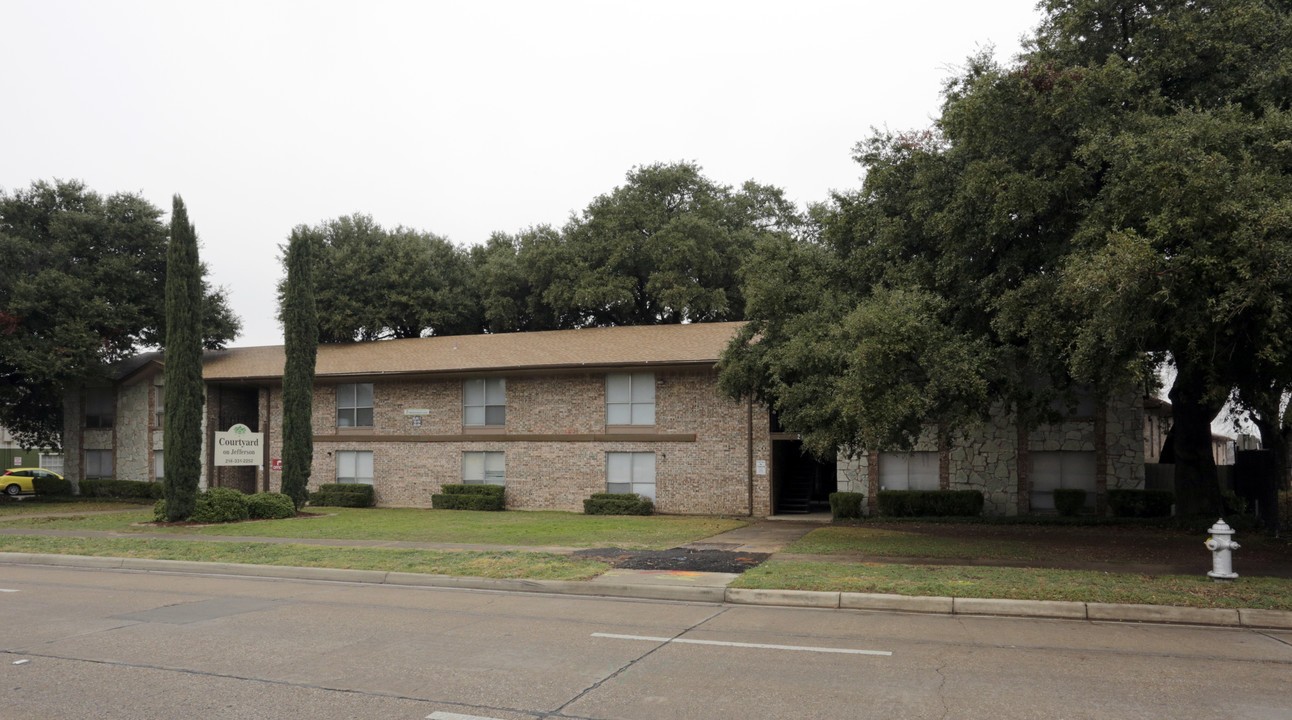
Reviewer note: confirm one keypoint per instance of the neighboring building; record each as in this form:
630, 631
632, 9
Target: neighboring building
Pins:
1095, 449
13, 455
114, 429
556, 416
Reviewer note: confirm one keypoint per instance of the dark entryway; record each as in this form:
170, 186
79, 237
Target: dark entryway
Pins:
236, 404
800, 482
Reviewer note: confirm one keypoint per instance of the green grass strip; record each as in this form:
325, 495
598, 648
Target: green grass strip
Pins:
1021, 584
421, 525
465, 563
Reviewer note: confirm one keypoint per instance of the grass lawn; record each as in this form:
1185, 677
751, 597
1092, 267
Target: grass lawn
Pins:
18, 508
1021, 584
467, 563
657, 532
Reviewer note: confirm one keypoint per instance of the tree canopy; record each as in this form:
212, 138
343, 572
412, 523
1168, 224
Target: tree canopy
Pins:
1116, 197
84, 285
665, 247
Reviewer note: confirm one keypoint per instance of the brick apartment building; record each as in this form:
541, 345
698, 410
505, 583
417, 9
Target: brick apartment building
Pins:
556, 416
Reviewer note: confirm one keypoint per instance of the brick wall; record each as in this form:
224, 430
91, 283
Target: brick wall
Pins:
555, 440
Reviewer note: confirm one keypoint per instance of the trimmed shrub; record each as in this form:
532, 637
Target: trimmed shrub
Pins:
926, 503
618, 504
121, 489
1069, 501
159, 510
1141, 503
270, 506
48, 485
220, 505
846, 505
470, 497
344, 495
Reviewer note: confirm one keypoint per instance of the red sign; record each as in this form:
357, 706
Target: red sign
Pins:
276, 464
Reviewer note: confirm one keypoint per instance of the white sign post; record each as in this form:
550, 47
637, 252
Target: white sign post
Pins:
239, 446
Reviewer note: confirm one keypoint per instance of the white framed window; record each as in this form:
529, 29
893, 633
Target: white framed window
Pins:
100, 407
1067, 470
484, 468
630, 398
909, 471
98, 464
354, 466
354, 405
631, 472
484, 402
159, 407
159, 466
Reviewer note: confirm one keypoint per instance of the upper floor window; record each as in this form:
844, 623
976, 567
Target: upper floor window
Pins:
159, 407
484, 402
354, 405
100, 408
630, 398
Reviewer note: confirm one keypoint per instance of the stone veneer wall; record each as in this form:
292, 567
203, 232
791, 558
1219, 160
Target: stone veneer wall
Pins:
133, 454
707, 475
993, 457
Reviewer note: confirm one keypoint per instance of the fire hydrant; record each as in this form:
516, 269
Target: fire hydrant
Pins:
1221, 544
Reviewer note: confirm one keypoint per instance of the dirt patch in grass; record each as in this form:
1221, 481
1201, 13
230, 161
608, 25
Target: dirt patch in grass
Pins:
678, 558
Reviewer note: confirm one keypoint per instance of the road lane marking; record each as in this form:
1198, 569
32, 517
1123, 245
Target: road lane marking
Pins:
437, 715
7, 590
761, 646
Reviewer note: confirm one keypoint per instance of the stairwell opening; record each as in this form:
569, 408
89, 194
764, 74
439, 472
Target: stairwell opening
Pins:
801, 484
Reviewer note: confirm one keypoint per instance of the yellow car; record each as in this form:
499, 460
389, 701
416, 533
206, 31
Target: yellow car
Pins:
19, 480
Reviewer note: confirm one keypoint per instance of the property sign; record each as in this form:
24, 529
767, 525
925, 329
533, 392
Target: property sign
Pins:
239, 446
17, 461
276, 464
760, 467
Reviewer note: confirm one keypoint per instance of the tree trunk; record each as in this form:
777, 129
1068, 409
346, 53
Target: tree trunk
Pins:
1197, 489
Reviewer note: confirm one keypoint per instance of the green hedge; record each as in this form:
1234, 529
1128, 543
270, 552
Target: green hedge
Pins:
846, 505
270, 506
1141, 503
344, 495
1069, 501
470, 497
50, 485
220, 505
921, 503
618, 504
121, 489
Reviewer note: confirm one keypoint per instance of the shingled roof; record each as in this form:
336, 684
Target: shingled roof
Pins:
642, 345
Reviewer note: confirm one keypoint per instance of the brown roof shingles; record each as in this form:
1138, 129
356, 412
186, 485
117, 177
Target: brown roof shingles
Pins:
698, 343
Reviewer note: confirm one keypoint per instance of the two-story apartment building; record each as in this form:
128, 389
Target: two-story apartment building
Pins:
556, 416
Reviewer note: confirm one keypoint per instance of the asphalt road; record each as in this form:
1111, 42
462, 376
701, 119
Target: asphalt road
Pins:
78, 643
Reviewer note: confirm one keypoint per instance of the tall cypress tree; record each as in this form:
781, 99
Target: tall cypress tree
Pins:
184, 393
300, 344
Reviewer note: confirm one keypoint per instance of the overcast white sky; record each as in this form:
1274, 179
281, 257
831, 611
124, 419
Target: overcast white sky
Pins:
459, 118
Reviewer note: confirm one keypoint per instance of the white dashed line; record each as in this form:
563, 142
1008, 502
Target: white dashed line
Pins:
761, 646
455, 716
7, 590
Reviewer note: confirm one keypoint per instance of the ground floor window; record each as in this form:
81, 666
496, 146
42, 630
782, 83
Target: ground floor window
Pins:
159, 466
484, 468
98, 464
354, 466
1054, 470
909, 471
631, 473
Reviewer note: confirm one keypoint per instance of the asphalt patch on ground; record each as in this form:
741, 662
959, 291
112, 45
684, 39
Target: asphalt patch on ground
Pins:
725, 561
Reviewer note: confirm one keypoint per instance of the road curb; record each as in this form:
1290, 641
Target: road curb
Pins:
1055, 609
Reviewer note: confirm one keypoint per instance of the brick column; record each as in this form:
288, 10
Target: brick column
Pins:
1024, 476
1101, 456
872, 483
